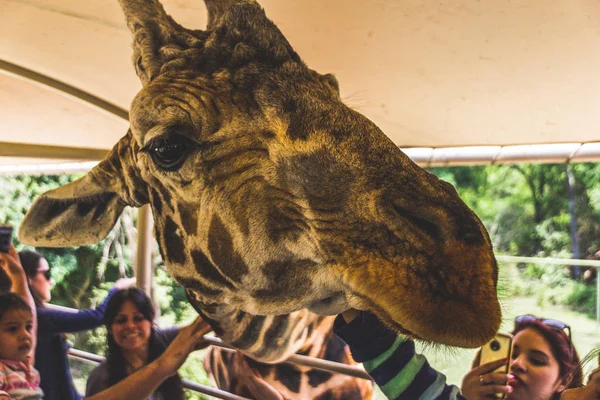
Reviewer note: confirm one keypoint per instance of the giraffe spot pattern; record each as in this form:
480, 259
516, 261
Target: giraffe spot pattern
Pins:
174, 248
263, 368
277, 330
281, 225
318, 178
280, 272
297, 128
240, 316
156, 203
251, 333
317, 377
199, 287
53, 209
267, 134
289, 376
208, 271
202, 310
84, 207
222, 252
189, 218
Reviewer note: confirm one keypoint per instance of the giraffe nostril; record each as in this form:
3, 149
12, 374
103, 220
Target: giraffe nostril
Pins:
429, 228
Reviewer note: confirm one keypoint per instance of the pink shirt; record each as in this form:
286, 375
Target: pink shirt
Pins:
20, 381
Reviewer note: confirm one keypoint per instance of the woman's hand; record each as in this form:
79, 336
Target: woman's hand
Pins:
124, 283
11, 264
255, 383
188, 339
482, 382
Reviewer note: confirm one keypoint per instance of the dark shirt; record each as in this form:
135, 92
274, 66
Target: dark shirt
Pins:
51, 350
99, 377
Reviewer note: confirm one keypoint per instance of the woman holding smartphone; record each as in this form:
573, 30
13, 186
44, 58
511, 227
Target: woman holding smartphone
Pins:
544, 364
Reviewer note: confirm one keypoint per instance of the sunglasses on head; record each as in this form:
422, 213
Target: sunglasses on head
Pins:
46, 274
552, 323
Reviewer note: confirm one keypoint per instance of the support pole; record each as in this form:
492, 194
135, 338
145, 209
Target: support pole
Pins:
143, 259
597, 299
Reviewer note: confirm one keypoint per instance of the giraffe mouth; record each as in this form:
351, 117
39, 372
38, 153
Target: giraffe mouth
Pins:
383, 315
331, 305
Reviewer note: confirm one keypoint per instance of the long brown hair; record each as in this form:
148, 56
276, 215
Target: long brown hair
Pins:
171, 388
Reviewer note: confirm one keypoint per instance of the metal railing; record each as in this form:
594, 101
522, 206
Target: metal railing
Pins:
317, 363
325, 365
561, 261
94, 359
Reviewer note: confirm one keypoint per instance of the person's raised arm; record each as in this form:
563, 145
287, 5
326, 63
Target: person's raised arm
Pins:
142, 383
391, 359
11, 264
55, 321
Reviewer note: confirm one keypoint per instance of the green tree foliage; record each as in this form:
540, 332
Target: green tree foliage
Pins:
525, 207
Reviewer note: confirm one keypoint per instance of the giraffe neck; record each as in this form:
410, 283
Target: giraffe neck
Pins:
239, 374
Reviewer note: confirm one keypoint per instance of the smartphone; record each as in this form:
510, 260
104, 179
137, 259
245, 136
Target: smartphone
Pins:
5, 237
496, 349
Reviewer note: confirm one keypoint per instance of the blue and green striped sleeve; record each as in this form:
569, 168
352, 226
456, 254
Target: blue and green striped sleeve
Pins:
392, 362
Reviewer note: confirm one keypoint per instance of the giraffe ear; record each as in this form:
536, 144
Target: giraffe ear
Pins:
84, 211
77, 214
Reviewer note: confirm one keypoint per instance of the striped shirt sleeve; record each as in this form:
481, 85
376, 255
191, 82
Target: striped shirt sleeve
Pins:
391, 360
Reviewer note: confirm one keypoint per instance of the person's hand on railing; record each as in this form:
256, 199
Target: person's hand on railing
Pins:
189, 339
144, 381
124, 283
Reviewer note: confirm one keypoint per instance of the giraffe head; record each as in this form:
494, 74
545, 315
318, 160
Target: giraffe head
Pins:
270, 195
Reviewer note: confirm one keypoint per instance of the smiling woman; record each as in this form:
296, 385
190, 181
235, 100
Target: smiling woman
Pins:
133, 342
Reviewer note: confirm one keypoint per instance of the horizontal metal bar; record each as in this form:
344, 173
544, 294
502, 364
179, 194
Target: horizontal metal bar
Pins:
218, 393
10, 149
221, 394
318, 363
555, 261
506, 154
47, 169
88, 356
312, 362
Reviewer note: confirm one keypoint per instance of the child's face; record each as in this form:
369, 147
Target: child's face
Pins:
15, 335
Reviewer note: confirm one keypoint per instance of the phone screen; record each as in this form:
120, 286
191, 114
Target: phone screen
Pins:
5, 238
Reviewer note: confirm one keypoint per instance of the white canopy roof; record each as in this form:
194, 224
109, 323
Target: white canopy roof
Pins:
431, 74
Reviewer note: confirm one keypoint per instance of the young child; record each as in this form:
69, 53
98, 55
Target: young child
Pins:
18, 379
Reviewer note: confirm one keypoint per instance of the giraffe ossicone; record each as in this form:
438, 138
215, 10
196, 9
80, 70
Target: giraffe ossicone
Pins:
271, 196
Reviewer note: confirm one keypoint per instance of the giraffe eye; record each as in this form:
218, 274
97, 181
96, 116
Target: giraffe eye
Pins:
169, 152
